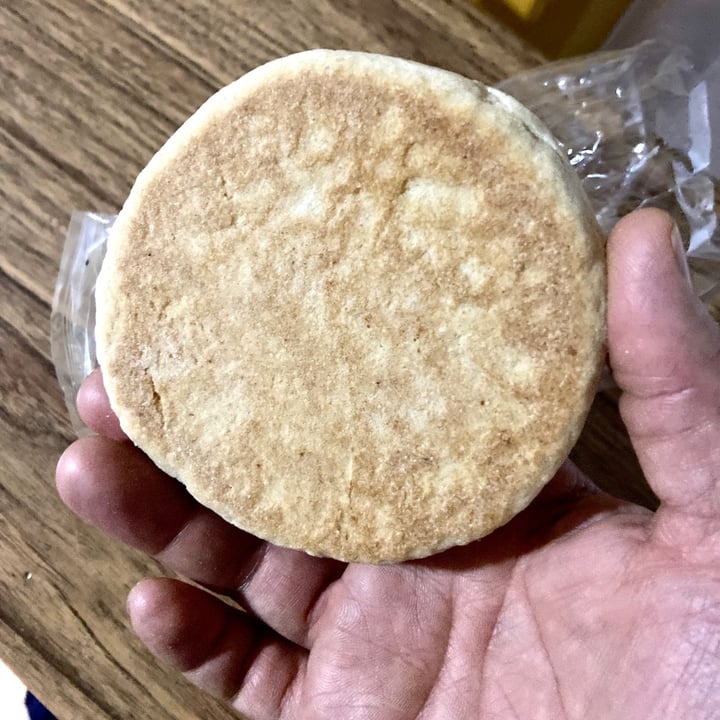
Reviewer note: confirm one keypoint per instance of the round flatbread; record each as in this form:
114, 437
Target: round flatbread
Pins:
356, 305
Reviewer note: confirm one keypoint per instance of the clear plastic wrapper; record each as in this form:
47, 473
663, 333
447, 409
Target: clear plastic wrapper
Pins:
634, 124
72, 324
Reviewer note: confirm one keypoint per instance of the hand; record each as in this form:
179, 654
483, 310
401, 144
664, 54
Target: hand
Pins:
582, 607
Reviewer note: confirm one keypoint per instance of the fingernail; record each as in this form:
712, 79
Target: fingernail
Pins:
680, 256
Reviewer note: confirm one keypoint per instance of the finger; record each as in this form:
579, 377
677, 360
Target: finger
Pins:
94, 408
89, 476
664, 351
220, 649
116, 488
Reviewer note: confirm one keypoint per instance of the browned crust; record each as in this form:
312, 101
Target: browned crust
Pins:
356, 306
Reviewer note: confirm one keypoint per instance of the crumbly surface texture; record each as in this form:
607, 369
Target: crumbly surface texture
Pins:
356, 305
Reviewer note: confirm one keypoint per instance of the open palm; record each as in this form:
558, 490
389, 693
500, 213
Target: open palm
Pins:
584, 606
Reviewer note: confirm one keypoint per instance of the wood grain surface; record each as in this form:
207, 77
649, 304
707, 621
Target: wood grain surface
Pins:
89, 91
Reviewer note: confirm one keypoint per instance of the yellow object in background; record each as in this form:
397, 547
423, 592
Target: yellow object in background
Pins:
526, 9
559, 28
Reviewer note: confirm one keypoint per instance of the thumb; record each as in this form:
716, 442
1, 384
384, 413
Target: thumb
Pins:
664, 351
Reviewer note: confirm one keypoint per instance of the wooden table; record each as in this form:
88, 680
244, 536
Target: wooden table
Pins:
89, 91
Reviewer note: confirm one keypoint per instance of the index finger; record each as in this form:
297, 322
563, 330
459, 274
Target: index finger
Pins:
93, 406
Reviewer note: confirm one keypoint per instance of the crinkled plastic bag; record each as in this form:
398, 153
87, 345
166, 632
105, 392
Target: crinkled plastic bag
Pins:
72, 323
634, 124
